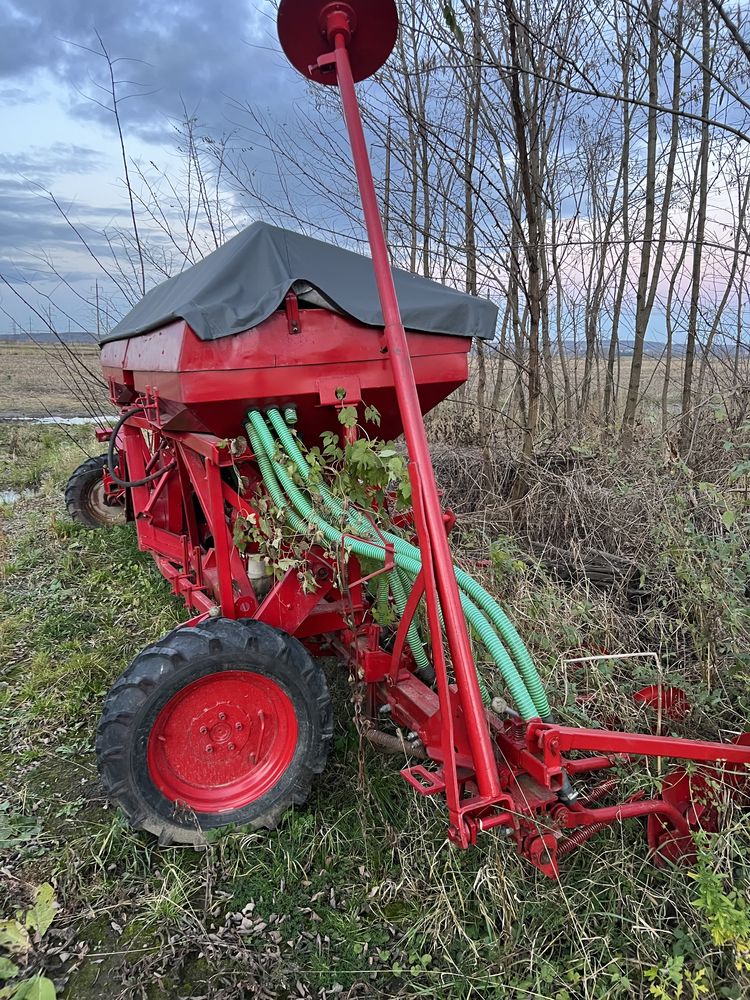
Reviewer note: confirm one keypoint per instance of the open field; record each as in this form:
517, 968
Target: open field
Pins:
50, 380
41, 380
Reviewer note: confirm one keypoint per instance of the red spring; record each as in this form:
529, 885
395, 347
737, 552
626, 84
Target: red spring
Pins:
578, 838
601, 791
585, 833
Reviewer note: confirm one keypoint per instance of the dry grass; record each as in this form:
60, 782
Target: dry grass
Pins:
38, 381
358, 894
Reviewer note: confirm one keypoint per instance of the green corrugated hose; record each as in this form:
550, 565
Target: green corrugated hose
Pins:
474, 590
405, 562
302, 517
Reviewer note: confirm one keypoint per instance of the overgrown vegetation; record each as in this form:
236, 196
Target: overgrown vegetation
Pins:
359, 894
36, 456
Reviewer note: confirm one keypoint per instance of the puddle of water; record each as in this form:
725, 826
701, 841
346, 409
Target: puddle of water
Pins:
62, 421
10, 496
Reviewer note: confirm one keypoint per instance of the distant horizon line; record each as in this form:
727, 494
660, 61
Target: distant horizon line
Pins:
575, 348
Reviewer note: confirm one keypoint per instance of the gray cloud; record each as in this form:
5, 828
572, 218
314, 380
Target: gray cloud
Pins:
40, 164
203, 56
193, 51
16, 95
29, 221
31, 225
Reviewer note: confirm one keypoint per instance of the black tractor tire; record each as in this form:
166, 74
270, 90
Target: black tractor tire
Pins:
84, 497
171, 695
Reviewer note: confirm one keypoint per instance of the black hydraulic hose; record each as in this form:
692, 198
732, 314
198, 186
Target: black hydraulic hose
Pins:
111, 464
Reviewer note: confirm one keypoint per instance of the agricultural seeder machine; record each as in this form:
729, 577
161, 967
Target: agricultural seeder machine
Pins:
223, 376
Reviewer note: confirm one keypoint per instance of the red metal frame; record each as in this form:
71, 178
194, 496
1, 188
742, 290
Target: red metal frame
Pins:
495, 773
186, 519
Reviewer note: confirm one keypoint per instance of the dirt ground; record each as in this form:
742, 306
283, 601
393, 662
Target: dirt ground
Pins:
43, 381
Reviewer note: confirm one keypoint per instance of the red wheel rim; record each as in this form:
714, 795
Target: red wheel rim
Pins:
223, 741
692, 794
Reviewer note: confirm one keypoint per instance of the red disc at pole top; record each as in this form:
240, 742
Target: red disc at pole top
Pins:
306, 28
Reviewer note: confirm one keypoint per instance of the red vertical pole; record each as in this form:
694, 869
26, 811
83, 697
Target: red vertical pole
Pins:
433, 541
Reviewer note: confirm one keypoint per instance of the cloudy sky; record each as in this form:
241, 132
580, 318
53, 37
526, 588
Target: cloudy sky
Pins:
55, 138
58, 138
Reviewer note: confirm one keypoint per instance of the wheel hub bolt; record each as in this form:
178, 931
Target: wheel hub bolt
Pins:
209, 749
231, 746
203, 730
238, 726
222, 716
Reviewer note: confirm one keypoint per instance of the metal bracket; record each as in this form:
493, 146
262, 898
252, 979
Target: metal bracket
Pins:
330, 390
423, 781
291, 305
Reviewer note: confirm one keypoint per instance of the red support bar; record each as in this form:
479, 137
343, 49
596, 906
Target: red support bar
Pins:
433, 542
156, 492
207, 445
407, 617
206, 481
288, 606
158, 541
217, 522
448, 747
628, 810
560, 739
588, 764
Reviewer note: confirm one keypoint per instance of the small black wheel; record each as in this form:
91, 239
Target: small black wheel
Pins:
86, 500
223, 723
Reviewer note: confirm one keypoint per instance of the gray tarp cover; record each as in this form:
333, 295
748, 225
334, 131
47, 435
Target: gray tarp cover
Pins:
245, 280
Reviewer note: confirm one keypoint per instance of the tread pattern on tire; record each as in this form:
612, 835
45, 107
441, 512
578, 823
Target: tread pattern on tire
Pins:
161, 664
80, 482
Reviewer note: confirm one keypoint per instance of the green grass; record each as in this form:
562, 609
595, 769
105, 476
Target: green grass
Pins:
34, 454
358, 889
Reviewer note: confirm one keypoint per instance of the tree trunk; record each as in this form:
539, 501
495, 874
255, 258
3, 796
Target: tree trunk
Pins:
686, 425
642, 312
